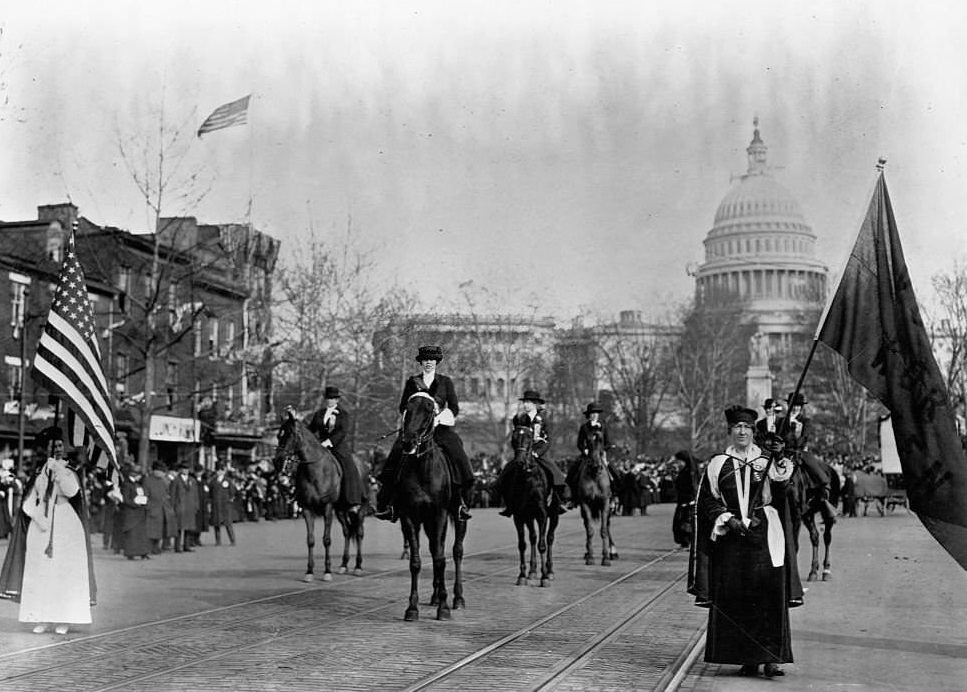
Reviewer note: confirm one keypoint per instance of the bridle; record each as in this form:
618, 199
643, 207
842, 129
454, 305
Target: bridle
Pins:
523, 433
425, 434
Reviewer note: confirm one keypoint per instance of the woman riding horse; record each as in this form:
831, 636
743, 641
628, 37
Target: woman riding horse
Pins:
439, 387
527, 501
593, 423
533, 417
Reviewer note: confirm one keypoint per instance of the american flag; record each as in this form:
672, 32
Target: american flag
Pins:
229, 115
68, 364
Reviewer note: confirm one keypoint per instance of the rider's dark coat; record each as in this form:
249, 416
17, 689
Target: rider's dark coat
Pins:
542, 442
441, 388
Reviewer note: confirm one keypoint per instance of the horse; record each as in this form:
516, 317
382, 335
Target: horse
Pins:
316, 476
806, 503
594, 497
423, 499
527, 499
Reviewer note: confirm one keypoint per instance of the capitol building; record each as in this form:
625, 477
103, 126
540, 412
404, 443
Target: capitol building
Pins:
761, 250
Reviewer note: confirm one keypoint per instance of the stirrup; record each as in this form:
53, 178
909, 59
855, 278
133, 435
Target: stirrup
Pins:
463, 513
386, 514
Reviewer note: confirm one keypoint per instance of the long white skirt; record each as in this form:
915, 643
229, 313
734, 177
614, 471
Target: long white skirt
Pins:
56, 589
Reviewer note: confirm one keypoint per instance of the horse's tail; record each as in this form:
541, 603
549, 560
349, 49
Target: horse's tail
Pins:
835, 488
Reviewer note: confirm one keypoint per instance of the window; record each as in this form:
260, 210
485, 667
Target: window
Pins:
230, 338
230, 403
13, 377
196, 329
18, 302
171, 382
121, 374
172, 299
213, 336
124, 279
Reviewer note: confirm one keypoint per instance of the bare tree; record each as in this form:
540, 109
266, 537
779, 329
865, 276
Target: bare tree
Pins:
949, 331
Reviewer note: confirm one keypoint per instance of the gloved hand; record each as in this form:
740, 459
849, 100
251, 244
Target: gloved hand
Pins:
736, 526
774, 445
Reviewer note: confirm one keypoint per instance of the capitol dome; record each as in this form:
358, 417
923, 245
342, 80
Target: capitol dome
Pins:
762, 251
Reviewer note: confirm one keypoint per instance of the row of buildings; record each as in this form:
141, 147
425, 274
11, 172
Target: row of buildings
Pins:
184, 315
184, 320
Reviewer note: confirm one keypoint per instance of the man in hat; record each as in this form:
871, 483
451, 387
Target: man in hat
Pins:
441, 388
593, 423
534, 416
184, 502
331, 425
797, 433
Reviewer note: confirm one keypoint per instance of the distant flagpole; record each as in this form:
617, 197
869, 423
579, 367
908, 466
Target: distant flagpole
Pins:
68, 361
873, 321
228, 115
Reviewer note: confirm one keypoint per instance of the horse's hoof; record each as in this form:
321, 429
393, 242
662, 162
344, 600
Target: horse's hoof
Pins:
327, 576
309, 578
827, 575
411, 615
443, 614
459, 604
545, 582
812, 576
358, 572
614, 555
550, 576
405, 556
343, 570
605, 562
588, 561
521, 581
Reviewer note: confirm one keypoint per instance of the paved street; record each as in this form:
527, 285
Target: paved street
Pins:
241, 619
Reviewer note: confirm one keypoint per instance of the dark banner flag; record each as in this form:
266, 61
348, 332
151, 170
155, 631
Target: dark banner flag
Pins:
874, 322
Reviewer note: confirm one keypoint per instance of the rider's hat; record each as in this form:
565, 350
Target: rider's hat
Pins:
49, 434
740, 414
532, 395
331, 392
430, 353
798, 400
593, 407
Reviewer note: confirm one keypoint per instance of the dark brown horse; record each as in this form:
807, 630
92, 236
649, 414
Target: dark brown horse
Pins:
528, 501
423, 501
316, 476
594, 497
805, 503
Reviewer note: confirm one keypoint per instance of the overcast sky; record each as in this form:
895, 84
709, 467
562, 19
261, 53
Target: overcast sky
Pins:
573, 151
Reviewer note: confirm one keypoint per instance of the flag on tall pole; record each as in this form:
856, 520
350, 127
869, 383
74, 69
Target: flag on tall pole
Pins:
227, 115
874, 322
68, 363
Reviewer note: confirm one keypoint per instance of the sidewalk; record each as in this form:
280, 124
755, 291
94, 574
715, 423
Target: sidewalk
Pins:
893, 617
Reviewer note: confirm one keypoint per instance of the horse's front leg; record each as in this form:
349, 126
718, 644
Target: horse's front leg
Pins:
606, 544
310, 520
327, 543
533, 538
809, 521
588, 534
551, 528
521, 551
827, 541
358, 571
438, 551
411, 535
459, 533
542, 548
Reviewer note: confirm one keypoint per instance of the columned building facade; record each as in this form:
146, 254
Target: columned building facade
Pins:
762, 251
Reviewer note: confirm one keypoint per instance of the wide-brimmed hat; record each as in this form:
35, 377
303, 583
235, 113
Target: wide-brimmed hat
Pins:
593, 407
740, 414
429, 353
49, 434
331, 392
798, 400
532, 395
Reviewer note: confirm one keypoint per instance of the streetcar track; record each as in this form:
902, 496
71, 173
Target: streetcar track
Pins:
449, 670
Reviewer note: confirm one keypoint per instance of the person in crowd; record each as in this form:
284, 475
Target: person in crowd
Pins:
796, 437
203, 513
441, 388
184, 502
740, 569
331, 425
682, 523
592, 423
7, 488
161, 516
134, 514
48, 567
222, 490
534, 416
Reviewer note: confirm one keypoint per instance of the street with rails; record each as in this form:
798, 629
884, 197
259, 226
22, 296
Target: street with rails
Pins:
893, 617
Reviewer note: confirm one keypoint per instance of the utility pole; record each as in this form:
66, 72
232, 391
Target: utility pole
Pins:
18, 323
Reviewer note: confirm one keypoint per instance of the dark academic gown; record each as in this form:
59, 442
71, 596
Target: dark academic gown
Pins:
748, 598
134, 520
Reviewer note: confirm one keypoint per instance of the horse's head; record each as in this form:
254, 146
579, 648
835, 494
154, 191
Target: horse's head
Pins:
290, 448
522, 441
419, 419
596, 448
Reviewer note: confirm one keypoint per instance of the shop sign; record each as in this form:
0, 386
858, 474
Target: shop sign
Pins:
173, 429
